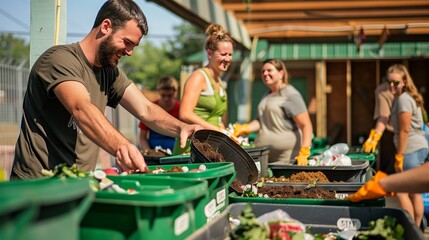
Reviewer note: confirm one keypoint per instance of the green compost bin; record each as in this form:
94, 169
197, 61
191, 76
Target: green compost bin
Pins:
219, 177
43, 209
161, 208
342, 190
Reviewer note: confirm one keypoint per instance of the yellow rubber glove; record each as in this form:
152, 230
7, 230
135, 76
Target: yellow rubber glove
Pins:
371, 189
371, 143
399, 162
302, 158
241, 129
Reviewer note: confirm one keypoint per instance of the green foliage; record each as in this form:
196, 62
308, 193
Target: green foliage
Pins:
149, 61
383, 228
249, 228
188, 41
13, 50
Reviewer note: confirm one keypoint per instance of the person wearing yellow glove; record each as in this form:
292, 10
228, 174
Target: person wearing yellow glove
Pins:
241, 129
282, 122
371, 143
385, 145
410, 142
371, 190
302, 158
399, 162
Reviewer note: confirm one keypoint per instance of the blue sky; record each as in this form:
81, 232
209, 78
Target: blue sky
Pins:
15, 17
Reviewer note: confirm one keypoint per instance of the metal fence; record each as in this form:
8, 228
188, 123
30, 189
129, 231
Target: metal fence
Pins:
13, 84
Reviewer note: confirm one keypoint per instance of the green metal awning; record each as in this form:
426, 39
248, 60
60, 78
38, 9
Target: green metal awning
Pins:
322, 51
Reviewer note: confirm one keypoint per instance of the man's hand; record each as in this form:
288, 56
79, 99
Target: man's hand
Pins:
302, 158
129, 159
371, 189
186, 132
371, 143
399, 162
241, 129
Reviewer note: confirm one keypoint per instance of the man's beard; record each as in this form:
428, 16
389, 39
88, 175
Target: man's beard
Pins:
105, 53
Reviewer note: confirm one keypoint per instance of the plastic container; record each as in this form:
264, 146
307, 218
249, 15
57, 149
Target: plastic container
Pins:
219, 177
321, 219
44, 209
162, 208
342, 190
260, 156
359, 171
175, 159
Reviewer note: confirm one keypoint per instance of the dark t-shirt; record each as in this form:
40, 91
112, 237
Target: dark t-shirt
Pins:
49, 135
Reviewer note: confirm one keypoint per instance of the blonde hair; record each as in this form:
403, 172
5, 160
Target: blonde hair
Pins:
408, 82
215, 34
167, 83
279, 65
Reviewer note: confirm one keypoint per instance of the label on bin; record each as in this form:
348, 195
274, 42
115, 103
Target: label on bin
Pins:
220, 196
348, 223
258, 166
181, 224
210, 208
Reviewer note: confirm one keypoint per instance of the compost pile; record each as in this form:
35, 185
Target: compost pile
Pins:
301, 177
292, 192
311, 191
213, 155
154, 153
208, 151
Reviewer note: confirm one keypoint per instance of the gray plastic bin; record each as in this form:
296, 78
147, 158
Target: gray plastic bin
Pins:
321, 219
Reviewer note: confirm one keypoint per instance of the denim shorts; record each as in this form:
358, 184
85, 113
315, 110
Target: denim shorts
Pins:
415, 159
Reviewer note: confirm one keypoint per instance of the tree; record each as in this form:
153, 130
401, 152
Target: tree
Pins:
188, 41
148, 63
13, 50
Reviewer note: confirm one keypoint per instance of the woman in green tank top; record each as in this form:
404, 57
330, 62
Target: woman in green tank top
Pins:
204, 100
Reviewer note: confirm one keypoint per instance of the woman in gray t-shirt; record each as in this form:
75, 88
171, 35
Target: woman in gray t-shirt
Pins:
409, 138
283, 122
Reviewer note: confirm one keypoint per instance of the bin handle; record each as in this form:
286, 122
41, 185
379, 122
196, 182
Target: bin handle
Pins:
234, 174
25, 218
86, 204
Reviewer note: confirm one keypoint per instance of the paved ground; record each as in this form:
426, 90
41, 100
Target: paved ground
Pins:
393, 203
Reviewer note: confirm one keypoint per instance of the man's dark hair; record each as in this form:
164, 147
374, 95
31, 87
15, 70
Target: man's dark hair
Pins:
120, 12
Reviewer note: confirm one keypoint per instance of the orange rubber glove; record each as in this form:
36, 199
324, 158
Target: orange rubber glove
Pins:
370, 144
371, 189
399, 162
241, 129
302, 158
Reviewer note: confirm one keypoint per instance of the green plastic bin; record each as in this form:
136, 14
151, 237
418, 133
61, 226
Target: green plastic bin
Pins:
162, 208
219, 177
45, 209
354, 153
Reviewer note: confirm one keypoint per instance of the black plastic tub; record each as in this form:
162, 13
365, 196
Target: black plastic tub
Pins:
247, 173
359, 171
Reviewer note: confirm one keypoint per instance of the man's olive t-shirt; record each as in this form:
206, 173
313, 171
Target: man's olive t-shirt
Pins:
49, 135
